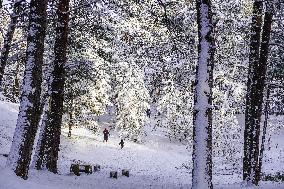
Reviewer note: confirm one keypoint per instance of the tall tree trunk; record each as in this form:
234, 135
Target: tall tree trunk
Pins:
202, 120
28, 118
250, 113
9, 37
257, 96
50, 139
255, 93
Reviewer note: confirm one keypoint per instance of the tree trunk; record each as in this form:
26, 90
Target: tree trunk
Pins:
49, 144
71, 113
39, 152
255, 93
260, 78
202, 119
258, 172
250, 113
28, 118
71, 123
16, 86
9, 37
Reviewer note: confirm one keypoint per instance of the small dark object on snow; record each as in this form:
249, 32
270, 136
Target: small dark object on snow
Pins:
148, 111
76, 169
135, 140
5, 155
113, 174
125, 172
121, 143
97, 167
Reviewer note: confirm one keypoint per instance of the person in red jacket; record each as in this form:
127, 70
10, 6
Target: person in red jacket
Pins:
106, 134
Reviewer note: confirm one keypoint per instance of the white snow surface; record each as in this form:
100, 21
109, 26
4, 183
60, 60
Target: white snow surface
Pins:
157, 163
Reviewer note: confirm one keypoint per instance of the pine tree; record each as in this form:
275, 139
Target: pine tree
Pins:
50, 138
17, 9
202, 118
175, 107
255, 93
250, 113
28, 118
131, 103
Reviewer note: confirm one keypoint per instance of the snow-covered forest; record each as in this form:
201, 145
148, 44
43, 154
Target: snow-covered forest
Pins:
142, 94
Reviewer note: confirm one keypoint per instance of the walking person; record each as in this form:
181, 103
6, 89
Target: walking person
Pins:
106, 134
121, 143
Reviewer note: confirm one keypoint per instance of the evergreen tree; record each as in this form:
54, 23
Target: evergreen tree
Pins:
50, 139
260, 38
131, 103
28, 119
18, 6
202, 118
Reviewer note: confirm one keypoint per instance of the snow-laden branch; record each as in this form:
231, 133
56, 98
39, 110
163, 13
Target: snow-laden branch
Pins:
81, 6
276, 44
274, 85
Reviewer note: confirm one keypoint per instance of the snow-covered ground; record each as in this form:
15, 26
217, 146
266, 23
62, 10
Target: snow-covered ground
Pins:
157, 163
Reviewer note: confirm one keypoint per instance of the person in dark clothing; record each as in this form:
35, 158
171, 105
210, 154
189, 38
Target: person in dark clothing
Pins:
106, 134
121, 143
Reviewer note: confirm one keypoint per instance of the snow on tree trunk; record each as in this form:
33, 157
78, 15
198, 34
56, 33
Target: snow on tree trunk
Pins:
28, 118
202, 120
37, 160
255, 93
71, 123
9, 37
50, 137
264, 50
263, 138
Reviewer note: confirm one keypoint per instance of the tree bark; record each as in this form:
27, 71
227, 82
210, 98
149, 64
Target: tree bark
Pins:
49, 144
9, 37
16, 86
28, 118
258, 172
250, 113
260, 77
202, 119
71, 123
255, 93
